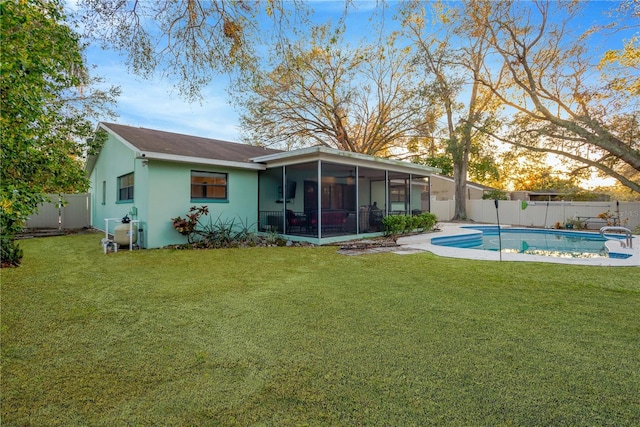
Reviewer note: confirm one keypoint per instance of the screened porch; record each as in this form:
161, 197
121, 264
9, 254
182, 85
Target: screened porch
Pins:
325, 198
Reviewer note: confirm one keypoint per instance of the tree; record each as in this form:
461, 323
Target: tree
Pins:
47, 107
621, 67
322, 92
190, 41
559, 104
452, 55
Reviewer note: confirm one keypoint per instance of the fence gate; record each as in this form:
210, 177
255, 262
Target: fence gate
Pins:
73, 213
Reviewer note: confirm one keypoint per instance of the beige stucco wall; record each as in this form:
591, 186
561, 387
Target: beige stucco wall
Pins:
444, 189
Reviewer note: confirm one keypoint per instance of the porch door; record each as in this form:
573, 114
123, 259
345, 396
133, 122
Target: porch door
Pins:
310, 196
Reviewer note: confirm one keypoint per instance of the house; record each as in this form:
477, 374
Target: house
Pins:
555, 195
444, 188
315, 194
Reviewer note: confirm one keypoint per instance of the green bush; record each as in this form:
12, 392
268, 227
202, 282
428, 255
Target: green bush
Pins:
426, 221
213, 234
394, 225
495, 195
11, 252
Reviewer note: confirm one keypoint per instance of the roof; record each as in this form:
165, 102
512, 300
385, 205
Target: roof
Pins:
168, 146
469, 183
161, 145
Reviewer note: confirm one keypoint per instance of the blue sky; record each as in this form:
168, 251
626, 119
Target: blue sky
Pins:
153, 103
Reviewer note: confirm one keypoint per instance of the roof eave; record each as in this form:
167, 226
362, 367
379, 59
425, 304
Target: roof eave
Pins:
346, 157
150, 155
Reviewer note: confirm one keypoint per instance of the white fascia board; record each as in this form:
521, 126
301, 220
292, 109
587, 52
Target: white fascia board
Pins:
91, 160
126, 143
283, 156
343, 157
150, 155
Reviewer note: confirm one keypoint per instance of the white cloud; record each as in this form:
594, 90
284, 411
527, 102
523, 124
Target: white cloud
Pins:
152, 103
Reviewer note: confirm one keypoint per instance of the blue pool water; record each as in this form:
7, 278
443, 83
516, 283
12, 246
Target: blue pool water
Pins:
558, 243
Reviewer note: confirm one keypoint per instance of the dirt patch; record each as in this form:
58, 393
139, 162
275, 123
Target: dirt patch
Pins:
30, 233
40, 232
368, 246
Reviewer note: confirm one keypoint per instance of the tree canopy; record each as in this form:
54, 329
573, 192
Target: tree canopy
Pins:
47, 107
559, 104
451, 55
362, 99
558, 94
191, 41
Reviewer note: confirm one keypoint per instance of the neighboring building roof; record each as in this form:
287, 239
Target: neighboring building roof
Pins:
469, 183
160, 145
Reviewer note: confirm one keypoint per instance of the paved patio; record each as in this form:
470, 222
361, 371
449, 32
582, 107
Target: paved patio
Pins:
422, 242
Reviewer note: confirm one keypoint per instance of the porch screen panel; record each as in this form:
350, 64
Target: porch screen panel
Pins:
419, 194
399, 194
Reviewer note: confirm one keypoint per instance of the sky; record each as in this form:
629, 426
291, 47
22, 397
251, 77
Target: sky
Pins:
154, 103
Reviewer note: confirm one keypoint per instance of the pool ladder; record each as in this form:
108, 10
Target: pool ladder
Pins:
627, 232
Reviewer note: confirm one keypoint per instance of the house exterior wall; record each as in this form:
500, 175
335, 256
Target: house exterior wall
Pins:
162, 190
445, 189
169, 196
115, 160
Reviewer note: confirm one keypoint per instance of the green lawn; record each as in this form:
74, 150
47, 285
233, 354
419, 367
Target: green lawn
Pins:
305, 336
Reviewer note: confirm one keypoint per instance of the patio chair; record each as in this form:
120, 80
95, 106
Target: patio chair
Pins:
295, 222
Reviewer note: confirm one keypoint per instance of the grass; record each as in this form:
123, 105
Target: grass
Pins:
305, 336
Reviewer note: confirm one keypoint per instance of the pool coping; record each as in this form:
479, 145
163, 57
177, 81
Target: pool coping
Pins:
422, 242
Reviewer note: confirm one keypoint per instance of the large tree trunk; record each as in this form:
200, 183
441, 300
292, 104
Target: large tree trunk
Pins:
460, 181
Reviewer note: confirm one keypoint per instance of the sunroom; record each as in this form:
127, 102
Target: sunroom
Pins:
323, 195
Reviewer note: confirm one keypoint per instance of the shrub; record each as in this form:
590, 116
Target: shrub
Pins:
575, 224
11, 252
187, 226
495, 195
394, 225
426, 221
213, 234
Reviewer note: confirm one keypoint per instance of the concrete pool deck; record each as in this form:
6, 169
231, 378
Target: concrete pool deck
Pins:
422, 242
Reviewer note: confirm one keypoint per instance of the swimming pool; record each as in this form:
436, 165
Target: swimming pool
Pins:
554, 243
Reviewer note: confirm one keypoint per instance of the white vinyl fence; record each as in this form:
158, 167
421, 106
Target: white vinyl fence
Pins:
541, 214
77, 214
74, 213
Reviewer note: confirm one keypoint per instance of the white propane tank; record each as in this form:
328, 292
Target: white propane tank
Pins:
121, 233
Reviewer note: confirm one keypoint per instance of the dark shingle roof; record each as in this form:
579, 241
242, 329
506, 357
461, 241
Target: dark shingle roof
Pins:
170, 143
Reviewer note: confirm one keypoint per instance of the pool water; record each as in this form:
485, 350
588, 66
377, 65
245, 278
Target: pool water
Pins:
557, 243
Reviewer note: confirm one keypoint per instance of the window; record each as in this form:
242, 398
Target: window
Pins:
125, 188
104, 192
398, 193
208, 185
